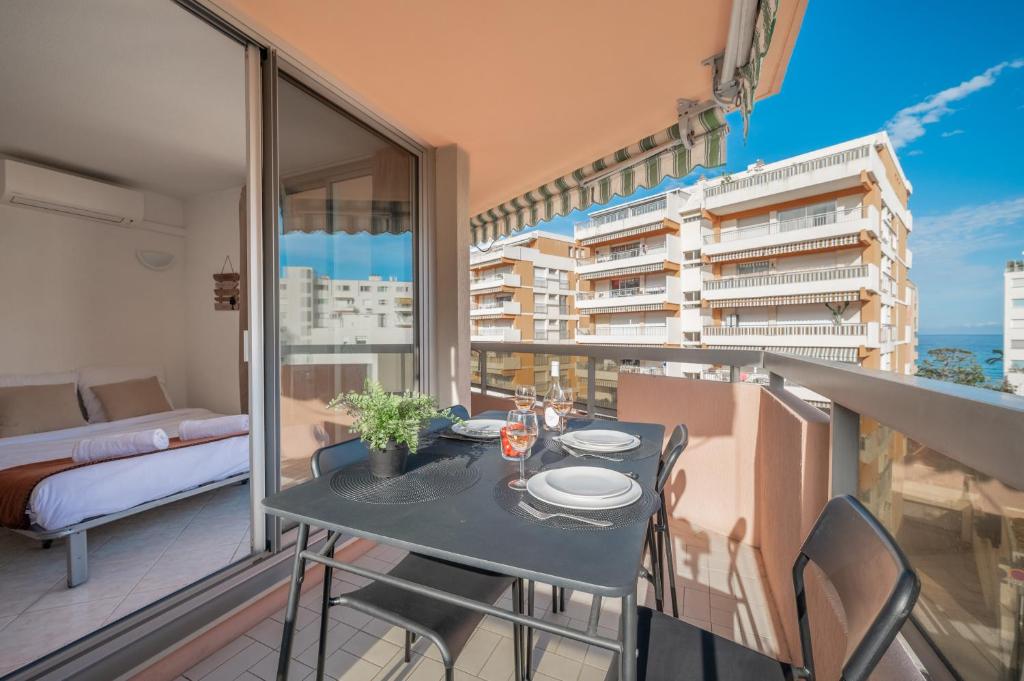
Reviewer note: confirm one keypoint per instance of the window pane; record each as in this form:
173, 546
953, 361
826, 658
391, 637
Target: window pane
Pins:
346, 269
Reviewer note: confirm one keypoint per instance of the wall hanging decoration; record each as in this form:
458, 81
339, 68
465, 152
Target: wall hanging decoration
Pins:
226, 288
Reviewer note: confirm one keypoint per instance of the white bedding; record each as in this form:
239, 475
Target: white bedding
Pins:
75, 495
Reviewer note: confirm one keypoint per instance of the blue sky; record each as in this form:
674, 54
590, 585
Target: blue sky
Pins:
855, 68
947, 81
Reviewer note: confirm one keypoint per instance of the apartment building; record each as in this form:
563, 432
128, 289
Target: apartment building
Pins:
1013, 325
523, 289
809, 256
324, 322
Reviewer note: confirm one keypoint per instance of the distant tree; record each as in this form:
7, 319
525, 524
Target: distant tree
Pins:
955, 365
996, 357
1003, 386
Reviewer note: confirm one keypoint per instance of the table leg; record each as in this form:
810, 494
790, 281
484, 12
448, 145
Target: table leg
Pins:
292, 609
517, 646
529, 633
627, 634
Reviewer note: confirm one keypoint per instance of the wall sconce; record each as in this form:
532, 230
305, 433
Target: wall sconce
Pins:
155, 260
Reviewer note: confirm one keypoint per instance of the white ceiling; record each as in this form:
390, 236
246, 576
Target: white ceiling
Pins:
138, 92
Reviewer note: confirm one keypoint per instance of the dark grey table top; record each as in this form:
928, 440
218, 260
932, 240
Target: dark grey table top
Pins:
472, 529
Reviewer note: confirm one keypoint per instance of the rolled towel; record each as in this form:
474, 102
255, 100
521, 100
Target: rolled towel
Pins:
220, 426
117, 446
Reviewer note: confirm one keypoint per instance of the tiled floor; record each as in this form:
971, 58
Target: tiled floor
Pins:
721, 586
132, 563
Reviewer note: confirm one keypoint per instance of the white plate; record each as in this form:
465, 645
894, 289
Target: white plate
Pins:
485, 429
538, 487
588, 482
600, 440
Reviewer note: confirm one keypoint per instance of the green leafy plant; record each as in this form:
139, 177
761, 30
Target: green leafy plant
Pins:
382, 417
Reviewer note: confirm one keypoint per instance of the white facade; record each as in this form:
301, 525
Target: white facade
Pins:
1013, 325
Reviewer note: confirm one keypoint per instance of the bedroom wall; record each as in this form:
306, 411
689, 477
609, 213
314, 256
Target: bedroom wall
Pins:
74, 294
212, 232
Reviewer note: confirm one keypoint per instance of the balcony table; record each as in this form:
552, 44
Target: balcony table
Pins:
470, 528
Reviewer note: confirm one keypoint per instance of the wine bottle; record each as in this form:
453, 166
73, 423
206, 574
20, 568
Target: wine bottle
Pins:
552, 420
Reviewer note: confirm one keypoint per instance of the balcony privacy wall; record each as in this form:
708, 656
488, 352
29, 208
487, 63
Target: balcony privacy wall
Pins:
756, 470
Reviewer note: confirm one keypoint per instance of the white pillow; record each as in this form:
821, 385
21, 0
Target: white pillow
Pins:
90, 376
57, 378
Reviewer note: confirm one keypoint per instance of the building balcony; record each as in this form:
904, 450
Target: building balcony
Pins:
616, 223
505, 334
795, 335
496, 281
629, 334
802, 179
630, 261
803, 282
836, 229
648, 297
506, 308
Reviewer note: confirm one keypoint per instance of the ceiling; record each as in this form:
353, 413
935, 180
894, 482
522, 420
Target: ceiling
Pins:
138, 92
531, 89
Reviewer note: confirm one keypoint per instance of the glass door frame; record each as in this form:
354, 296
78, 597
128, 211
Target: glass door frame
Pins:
275, 65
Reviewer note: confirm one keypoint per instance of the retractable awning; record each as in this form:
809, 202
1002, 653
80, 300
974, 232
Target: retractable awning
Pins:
697, 139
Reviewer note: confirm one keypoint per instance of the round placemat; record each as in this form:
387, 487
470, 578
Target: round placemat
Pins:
645, 449
638, 512
429, 481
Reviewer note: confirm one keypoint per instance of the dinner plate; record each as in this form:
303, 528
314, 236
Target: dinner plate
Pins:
538, 488
588, 482
484, 429
600, 440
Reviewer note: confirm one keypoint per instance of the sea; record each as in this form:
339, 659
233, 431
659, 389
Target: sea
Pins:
981, 345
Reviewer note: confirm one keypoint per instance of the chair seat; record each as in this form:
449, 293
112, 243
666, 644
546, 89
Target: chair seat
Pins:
454, 624
672, 650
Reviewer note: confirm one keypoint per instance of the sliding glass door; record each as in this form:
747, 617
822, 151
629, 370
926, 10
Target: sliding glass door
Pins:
346, 285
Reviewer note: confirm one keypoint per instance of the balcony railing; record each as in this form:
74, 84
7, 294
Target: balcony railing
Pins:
621, 214
646, 371
780, 278
788, 330
505, 279
784, 226
757, 179
504, 307
621, 255
627, 330
937, 463
583, 296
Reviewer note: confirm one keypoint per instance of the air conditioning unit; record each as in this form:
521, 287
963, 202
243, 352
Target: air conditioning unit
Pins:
32, 186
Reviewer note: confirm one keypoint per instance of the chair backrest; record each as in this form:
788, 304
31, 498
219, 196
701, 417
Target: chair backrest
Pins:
676, 444
869, 573
333, 457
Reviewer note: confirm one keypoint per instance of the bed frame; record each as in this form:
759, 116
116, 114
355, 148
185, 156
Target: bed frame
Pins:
77, 546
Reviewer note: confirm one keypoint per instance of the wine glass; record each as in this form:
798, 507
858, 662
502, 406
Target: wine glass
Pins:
525, 397
522, 430
562, 402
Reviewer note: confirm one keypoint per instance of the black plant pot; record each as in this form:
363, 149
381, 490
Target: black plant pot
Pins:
389, 462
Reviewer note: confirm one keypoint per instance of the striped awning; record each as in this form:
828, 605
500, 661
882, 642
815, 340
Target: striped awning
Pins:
750, 73
827, 353
669, 153
796, 299
622, 271
626, 232
798, 247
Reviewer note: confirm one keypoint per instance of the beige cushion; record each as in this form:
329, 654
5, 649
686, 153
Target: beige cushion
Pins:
104, 375
136, 397
27, 409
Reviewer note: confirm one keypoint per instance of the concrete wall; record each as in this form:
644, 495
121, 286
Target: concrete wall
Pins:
75, 295
211, 336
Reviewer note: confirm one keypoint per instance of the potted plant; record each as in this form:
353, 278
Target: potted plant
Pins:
389, 424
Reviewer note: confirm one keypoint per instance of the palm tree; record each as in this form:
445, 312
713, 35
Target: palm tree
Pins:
996, 357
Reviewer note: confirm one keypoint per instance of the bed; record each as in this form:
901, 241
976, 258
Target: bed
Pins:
71, 502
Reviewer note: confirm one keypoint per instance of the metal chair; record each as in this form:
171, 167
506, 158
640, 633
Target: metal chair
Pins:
873, 580
446, 626
658, 543
659, 538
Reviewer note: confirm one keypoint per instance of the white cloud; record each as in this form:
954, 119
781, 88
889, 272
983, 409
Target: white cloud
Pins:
908, 123
914, 152
953, 133
967, 229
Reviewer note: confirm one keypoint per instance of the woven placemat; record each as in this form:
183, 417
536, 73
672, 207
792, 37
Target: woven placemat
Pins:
637, 512
431, 480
